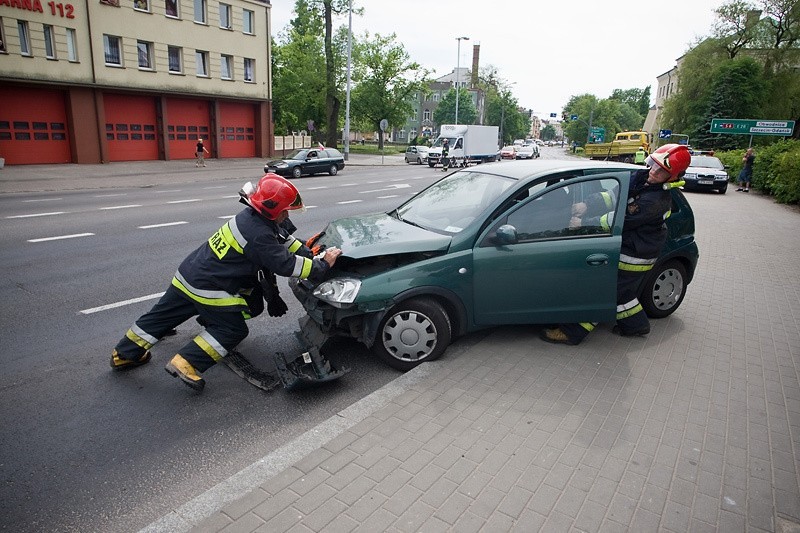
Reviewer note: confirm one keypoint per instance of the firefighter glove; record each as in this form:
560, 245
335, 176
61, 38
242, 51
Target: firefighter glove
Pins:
276, 306
313, 240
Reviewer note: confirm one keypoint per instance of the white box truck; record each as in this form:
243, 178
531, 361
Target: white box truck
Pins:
468, 144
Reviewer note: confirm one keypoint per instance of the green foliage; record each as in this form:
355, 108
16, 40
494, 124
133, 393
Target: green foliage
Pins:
776, 170
637, 99
445, 112
386, 82
615, 114
548, 133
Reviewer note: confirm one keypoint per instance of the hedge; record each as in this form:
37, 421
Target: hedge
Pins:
776, 170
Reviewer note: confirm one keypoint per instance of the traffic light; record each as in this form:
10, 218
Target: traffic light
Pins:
563, 116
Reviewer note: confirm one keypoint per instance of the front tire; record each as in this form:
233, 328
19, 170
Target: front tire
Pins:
333, 170
297, 172
664, 289
413, 332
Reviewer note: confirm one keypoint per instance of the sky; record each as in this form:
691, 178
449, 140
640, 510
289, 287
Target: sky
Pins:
547, 50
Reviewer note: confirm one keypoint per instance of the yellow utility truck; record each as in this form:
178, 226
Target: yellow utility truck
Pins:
622, 148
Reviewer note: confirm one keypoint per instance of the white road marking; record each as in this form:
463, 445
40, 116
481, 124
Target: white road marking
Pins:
350, 202
38, 215
184, 201
232, 196
315, 188
110, 195
122, 303
43, 200
385, 197
389, 188
61, 237
119, 207
168, 190
163, 225
216, 187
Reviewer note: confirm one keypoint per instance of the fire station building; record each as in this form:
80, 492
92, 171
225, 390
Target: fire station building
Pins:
130, 80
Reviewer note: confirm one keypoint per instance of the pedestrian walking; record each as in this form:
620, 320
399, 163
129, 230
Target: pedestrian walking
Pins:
445, 154
225, 281
746, 175
643, 235
200, 153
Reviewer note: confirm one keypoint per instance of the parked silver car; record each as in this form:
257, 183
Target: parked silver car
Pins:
417, 154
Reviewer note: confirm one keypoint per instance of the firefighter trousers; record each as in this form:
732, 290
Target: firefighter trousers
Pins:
224, 329
631, 318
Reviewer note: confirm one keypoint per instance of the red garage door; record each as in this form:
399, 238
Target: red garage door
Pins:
33, 126
130, 127
237, 130
186, 121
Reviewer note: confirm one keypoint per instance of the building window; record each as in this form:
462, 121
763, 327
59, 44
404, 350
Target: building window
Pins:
226, 67
172, 8
24, 38
72, 47
426, 115
249, 69
141, 5
201, 58
175, 54
248, 21
49, 41
111, 48
145, 51
3, 48
225, 16
200, 11
435, 97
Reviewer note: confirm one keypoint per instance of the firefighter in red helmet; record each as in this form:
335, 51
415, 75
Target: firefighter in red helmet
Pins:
224, 282
644, 233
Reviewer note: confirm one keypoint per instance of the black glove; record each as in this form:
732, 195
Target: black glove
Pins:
276, 306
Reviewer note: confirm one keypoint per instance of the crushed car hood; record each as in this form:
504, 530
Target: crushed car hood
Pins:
379, 234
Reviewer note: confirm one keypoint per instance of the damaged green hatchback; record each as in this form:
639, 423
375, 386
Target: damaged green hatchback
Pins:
486, 246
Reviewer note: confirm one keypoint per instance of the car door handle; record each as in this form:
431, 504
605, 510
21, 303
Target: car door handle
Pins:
597, 260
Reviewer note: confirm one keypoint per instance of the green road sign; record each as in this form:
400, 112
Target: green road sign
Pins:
734, 126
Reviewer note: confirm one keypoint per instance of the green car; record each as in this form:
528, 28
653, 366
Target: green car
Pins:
485, 246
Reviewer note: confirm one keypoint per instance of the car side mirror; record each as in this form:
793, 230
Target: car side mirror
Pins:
506, 234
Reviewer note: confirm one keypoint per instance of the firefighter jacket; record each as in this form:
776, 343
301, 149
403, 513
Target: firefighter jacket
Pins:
223, 270
644, 231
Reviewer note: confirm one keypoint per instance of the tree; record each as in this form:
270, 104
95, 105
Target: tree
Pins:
298, 74
637, 99
548, 133
502, 110
386, 82
445, 112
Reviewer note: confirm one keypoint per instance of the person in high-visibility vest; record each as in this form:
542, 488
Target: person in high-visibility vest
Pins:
225, 281
640, 156
644, 233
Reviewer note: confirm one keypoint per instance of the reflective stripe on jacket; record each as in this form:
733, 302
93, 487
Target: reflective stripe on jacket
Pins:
225, 267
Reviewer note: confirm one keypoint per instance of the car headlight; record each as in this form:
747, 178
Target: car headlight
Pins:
338, 291
690, 176
282, 165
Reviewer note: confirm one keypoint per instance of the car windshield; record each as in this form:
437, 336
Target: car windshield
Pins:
450, 204
451, 141
296, 154
707, 161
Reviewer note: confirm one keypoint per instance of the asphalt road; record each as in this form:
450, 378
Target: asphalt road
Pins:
87, 449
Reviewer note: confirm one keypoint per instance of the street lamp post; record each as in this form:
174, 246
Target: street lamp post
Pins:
347, 103
458, 65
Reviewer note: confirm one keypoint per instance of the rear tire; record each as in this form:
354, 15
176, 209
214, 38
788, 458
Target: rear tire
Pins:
663, 290
413, 332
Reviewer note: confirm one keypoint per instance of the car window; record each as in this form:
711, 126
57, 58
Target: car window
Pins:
706, 161
452, 203
311, 154
550, 215
296, 154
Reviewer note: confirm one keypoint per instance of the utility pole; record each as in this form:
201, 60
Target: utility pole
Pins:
458, 65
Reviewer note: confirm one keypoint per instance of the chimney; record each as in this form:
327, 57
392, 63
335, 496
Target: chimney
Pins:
476, 52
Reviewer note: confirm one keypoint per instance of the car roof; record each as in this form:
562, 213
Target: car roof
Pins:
526, 169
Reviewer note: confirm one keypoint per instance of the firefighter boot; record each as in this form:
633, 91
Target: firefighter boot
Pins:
118, 363
181, 368
556, 336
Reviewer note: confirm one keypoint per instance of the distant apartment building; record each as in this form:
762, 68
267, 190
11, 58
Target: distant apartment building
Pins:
667, 86
126, 80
